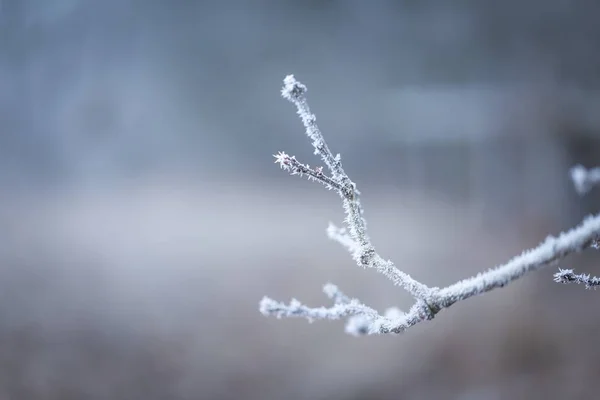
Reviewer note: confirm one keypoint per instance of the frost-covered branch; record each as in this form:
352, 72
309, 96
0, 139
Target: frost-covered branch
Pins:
362, 319
548, 252
569, 276
289, 163
341, 236
363, 251
583, 179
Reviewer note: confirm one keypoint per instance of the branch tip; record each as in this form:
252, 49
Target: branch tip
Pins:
292, 89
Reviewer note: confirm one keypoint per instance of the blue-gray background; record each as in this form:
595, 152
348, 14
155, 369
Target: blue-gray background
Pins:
142, 218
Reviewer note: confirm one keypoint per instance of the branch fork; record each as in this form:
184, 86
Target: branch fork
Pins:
364, 320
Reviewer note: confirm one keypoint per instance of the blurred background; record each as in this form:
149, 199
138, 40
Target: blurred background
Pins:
142, 218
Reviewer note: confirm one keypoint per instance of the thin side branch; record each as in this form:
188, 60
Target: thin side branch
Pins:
583, 179
341, 236
549, 252
364, 252
569, 276
295, 91
362, 319
289, 163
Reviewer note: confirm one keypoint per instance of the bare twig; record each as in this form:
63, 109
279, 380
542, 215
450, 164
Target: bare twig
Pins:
362, 319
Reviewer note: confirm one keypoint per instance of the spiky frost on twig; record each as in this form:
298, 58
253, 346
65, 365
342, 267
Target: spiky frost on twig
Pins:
548, 252
583, 179
289, 163
569, 276
362, 319
363, 252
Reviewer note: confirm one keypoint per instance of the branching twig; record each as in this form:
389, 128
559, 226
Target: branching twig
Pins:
363, 252
428, 300
583, 179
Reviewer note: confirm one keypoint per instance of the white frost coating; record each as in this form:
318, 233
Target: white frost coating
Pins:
569, 276
335, 294
584, 179
363, 320
297, 309
551, 250
393, 313
363, 251
295, 91
341, 236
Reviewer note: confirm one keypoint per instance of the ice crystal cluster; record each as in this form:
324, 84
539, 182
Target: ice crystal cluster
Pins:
428, 301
